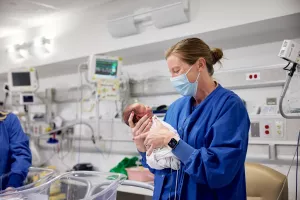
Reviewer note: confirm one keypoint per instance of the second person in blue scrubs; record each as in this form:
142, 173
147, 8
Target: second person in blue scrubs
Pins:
15, 154
213, 125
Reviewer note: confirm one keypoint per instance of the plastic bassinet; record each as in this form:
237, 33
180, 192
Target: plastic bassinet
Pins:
35, 176
84, 185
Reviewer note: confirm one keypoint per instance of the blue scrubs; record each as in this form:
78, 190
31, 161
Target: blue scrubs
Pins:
212, 149
15, 155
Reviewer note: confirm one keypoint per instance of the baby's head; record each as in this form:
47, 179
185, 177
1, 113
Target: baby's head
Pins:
139, 111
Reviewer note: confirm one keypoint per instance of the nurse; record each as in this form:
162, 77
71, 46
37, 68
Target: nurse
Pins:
15, 155
213, 125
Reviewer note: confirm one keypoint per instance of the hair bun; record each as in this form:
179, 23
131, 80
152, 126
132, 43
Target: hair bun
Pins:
217, 54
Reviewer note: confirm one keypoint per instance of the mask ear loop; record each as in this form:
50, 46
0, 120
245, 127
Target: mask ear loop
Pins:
197, 77
189, 71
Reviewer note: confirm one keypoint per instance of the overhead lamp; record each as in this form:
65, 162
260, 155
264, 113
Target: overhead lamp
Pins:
23, 53
121, 27
174, 13
43, 44
19, 51
161, 14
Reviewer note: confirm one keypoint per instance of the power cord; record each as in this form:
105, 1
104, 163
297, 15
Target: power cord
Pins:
6, 91
286, 67
80, 126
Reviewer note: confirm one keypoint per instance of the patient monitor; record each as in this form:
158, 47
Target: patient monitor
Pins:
104, 67
23, 80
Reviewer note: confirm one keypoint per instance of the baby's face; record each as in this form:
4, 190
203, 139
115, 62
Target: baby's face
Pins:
142, 110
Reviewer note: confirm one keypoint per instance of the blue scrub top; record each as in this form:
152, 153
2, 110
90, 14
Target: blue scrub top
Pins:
212, 149
15, 154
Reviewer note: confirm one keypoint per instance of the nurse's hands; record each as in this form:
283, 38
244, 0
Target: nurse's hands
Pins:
141, 127
158, 137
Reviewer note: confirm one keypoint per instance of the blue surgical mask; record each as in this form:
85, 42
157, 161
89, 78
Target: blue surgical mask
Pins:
183, 86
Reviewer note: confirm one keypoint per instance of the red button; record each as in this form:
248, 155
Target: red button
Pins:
267, 132
250, 76
255, 75
267, 126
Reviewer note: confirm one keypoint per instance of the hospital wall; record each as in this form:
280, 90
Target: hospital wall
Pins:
251, 56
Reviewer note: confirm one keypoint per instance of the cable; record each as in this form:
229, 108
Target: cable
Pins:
297, 166
5, 100
61, 150
112, 136
91, 108
285, 180
112, 130
286, 67
61, 158
117, 110
41, 98
48, 159
111, 143
80, 127
284, 90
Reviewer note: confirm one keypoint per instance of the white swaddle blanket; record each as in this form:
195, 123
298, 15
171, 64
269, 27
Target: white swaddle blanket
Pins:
163, 157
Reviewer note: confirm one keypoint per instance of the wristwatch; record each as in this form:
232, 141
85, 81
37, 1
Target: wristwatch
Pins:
173, 142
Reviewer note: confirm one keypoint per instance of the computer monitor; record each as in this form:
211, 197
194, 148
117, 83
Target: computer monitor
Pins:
22, 80
27, 98
104, 67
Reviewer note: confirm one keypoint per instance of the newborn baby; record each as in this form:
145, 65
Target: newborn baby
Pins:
160, 158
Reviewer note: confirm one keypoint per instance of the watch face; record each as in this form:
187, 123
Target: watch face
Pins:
172, 143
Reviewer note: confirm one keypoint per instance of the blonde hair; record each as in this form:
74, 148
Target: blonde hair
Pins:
3, 115
191, 49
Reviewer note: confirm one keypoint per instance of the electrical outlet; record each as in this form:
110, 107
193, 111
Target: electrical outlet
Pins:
279, 128
253, 76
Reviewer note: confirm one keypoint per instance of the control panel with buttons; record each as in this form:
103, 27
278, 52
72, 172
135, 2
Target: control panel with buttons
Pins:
268, 127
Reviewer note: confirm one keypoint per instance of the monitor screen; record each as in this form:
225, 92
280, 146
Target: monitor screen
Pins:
21, 79
106, 67
28, 99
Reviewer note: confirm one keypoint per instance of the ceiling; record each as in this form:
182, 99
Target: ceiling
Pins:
18, 15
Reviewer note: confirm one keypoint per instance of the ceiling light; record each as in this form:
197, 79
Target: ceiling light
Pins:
43, 44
